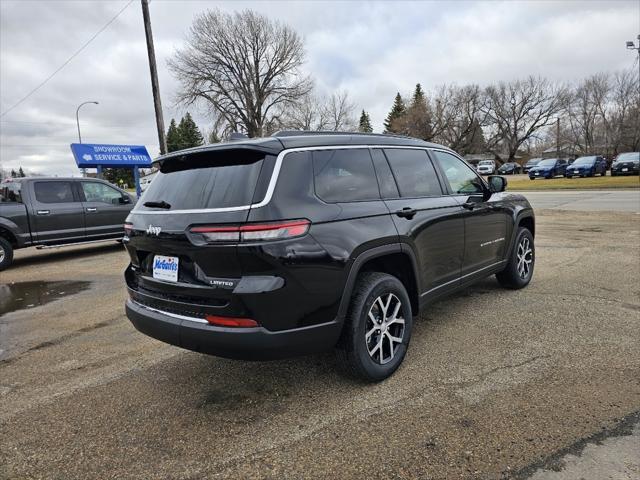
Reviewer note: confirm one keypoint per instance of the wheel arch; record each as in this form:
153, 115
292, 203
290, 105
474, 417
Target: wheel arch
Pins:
394, 259
9, 236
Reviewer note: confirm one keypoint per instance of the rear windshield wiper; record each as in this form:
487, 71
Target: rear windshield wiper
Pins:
160, 204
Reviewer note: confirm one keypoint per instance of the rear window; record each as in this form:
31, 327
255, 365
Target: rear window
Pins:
214, 181
344, 175
10, 192
54, 192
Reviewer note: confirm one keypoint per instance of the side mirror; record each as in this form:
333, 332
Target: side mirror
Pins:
497, 184
125, 199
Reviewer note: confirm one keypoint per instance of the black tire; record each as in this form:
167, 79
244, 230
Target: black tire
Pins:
6, 254
354, 346
512, 277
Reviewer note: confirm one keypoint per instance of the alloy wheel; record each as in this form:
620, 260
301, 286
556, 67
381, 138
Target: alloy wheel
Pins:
384, 328
524, 257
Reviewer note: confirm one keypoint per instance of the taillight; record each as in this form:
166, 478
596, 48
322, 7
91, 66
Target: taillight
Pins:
230, 321
253, 232
128, 228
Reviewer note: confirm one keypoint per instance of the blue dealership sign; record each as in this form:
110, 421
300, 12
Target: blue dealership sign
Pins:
90, 155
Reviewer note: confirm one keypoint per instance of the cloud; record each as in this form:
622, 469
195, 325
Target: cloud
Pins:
370, 49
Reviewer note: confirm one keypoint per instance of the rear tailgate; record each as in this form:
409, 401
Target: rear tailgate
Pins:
194, 191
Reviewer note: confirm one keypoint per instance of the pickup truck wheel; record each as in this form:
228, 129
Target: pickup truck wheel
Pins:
6, 253
519, 270
377, 327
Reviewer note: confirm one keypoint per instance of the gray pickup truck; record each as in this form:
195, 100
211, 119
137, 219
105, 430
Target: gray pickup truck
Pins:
45, 212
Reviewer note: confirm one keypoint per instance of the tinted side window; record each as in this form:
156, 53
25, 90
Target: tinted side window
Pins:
413, 172
388, 187
344, 175
461, 178
54, 192
99, 192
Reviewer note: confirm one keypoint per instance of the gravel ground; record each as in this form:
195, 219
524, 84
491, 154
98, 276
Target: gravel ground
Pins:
496, 384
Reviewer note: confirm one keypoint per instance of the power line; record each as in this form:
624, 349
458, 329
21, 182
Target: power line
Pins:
67, 61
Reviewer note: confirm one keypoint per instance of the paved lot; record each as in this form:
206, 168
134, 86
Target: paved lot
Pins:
587, 200
496, 384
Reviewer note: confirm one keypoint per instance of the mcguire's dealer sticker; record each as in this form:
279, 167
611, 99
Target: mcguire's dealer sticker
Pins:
165, 268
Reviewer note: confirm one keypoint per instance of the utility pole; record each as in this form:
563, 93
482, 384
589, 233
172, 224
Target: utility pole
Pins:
558, 137
154, 76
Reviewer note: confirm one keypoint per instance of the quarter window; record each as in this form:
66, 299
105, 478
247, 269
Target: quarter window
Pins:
99, 192
344, 175
413, 172
54, 192
461, 178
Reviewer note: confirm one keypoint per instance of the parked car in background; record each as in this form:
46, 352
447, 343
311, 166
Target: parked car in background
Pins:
587, 167
314, 241
509, 168
548, 168
486, 167
530, 164
626, 164
43, 212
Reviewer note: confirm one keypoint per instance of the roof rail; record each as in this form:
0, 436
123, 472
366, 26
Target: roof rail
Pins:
299, 133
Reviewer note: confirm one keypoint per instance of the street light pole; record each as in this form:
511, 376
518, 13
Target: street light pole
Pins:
78, 118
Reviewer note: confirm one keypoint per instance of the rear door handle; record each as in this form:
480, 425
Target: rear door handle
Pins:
43, 212
406, 212
92, 209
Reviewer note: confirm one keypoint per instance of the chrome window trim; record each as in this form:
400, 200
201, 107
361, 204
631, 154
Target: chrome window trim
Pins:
276, 174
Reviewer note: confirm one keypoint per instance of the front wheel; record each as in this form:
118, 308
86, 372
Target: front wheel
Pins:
377, 328
6, 253
518, 272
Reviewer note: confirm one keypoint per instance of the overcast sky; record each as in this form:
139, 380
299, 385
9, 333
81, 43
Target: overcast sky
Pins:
370, 49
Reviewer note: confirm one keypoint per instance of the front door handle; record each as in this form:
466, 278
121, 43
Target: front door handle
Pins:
92, 209
406, 212
43, 212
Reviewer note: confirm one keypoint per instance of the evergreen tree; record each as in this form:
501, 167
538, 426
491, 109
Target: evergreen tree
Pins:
398, 111
418, 118
21, 172
365, 123
418, 95
190, 135
13, 173
173, 137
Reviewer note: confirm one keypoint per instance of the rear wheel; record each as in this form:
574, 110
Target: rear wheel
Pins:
519, 270
6, 253
377, 328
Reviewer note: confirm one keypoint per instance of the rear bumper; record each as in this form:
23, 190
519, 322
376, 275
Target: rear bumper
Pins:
239, 343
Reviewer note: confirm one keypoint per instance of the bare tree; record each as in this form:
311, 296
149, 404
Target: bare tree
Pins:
457, 118
514, 111
242, 65
340, 113
314, 113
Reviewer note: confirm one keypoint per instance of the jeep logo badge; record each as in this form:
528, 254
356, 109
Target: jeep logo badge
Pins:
151, 230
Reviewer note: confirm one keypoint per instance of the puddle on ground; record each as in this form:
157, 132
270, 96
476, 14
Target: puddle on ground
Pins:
23, 295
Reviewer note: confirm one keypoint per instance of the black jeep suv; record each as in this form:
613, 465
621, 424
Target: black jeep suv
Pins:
300, 242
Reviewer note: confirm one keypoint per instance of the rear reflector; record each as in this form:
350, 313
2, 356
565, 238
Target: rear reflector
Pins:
231, 321
253, 232
128, 228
